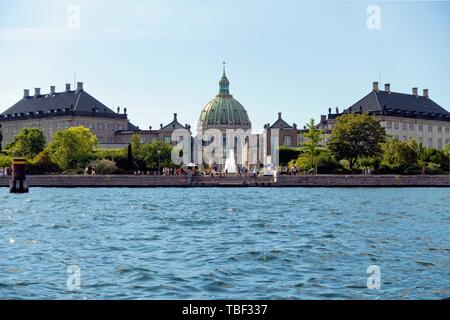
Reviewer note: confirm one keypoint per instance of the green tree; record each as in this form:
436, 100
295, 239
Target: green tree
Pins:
314, 137
5, 161
42, 164
27, 143
324, 161
72, 148
435, 160
157, 152
104, 166
401, 156
355, 136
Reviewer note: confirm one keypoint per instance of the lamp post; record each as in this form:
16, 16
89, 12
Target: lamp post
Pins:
159, 169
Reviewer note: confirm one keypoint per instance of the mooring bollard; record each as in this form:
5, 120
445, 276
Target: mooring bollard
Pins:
18, 183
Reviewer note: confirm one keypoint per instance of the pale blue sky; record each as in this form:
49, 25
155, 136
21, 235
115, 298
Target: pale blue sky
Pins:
161, 57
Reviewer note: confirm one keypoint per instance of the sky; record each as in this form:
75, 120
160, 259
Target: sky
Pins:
157, 58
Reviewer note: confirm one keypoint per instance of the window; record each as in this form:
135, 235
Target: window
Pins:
101, 139
421, 140
404, 138
405, 126
439, 143
110, 140
287, 141
167, 139
420, 127
430, 128
411, 126
101, 126
447, 130
389, 124
396, 126
430, 142
439, 129
66, 124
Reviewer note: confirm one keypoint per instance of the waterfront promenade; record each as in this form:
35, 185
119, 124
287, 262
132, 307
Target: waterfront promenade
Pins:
136, 181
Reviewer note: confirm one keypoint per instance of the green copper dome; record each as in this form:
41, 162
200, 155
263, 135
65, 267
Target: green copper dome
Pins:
224, 110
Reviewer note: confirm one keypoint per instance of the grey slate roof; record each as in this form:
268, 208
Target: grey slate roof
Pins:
172, 125
76, 100
280, 124
379, 101
132, 127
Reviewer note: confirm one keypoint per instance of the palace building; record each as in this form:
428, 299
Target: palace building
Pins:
60, 110
404, 116
55, 111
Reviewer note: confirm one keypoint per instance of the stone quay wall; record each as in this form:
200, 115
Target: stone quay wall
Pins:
133, 181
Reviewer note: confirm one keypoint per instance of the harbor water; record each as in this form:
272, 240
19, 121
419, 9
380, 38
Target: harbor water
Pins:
225, 243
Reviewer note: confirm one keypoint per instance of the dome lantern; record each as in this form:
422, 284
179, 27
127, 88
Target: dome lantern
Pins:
224, 84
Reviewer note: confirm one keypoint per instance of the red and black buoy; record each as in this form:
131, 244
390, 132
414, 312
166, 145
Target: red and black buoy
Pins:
18, 183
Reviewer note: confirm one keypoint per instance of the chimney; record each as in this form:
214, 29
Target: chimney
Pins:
52, 89
26, 93
415, 91
279, 115
67, 87
425, 93
387, 87
375, 87
37, 92
323, 118
174, 117
79, 86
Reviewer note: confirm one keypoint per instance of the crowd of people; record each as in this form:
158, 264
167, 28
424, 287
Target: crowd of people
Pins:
164, 172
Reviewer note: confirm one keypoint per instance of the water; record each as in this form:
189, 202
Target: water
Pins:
214, 243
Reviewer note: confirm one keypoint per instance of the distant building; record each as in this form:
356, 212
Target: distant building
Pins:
164, 133
404, 116
280, 133
55, 111
287, 134
226, 113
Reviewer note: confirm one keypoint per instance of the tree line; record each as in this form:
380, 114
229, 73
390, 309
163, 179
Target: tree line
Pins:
74, 149
358, 142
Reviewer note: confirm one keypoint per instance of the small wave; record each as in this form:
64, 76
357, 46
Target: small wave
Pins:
425, 263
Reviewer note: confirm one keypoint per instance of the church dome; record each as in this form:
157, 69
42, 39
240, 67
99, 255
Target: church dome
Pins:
224, 111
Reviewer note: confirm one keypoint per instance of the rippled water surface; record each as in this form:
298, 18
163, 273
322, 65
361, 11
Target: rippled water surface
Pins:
255, 243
